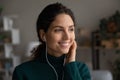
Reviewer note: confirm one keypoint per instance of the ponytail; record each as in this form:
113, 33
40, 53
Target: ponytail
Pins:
36, 52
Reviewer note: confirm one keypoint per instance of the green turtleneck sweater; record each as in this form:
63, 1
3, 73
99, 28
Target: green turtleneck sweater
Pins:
39, 69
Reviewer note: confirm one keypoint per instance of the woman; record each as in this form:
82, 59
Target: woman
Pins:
54, 59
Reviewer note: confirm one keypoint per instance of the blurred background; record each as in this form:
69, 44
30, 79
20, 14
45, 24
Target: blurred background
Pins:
98, 24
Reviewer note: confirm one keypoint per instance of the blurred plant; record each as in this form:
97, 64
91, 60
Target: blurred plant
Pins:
110, 37
110, 25
1, 9
116, 69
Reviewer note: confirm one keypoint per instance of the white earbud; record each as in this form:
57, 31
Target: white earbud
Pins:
44, 38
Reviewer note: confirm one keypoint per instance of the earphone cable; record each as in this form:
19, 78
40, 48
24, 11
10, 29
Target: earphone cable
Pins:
50, 63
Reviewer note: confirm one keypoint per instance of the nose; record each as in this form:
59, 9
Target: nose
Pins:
66, 35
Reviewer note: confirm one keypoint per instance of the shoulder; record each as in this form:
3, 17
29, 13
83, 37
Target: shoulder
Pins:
28, 65
78, 68
21, 69
83, 69
23, 65
78, 64
81, 66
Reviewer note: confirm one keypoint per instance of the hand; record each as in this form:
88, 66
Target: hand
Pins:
70, 57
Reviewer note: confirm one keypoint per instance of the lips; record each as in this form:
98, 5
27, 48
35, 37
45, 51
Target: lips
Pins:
64, 44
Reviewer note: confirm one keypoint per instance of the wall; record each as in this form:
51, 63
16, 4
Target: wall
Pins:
87, 13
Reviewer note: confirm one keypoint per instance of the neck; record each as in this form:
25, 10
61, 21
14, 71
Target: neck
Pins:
54, 53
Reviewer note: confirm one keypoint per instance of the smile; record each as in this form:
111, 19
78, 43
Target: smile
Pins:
64, 44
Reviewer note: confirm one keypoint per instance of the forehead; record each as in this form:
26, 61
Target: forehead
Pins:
62, 20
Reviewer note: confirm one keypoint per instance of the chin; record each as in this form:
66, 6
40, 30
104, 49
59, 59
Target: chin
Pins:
65, 51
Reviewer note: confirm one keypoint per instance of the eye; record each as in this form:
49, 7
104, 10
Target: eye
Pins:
58, 30
71, 29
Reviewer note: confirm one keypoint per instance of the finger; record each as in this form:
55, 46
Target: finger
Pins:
73, 47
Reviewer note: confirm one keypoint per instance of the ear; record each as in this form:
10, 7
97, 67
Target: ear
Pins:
42, 35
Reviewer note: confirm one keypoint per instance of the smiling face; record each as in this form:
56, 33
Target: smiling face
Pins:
60, 35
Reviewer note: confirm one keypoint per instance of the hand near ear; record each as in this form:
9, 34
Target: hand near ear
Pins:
70, 57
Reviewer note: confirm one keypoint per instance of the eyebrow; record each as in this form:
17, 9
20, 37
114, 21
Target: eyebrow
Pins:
62, 27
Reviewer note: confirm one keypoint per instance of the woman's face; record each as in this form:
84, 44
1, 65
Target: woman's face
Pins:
60, 35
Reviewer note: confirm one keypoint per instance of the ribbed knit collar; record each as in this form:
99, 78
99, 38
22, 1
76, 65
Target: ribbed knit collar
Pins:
55, 60
52, 59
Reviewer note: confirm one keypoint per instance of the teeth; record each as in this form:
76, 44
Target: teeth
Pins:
64, 43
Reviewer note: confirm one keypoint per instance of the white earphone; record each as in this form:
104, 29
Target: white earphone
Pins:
44, 38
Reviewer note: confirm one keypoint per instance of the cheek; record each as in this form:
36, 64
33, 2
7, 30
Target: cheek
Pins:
53, 38
73, 36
